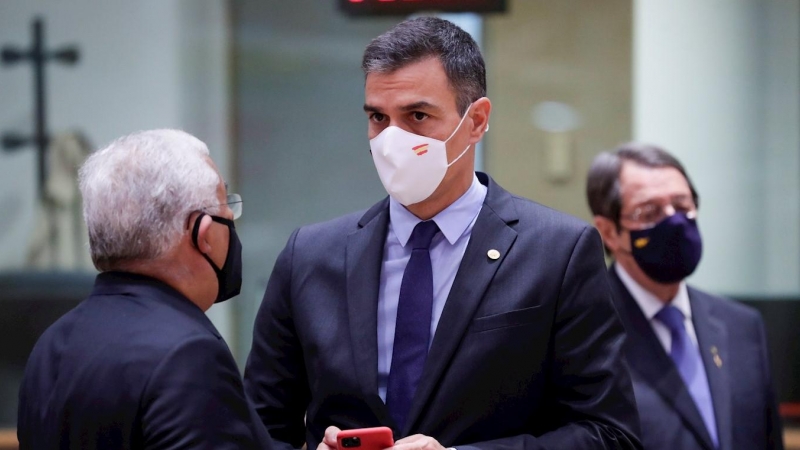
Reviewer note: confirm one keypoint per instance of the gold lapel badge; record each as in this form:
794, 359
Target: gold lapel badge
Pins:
641, 242
717, 359
493, 254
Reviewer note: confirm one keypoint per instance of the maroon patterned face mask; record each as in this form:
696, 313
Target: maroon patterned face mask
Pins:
670, 251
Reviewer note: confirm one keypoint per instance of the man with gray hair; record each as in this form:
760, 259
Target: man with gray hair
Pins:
138, 364
453, 312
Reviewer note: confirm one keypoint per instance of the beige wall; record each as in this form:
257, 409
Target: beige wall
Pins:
572, 51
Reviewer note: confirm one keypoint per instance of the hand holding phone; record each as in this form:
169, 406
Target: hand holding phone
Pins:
377, 438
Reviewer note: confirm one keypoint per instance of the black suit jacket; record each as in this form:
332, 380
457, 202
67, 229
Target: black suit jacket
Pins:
733, 346
135, 366
526, 355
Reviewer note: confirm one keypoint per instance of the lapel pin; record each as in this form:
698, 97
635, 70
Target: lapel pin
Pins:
717, 359
493, 254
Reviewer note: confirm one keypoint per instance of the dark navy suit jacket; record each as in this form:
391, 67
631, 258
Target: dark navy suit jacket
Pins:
527, 353
135, 366
733, 346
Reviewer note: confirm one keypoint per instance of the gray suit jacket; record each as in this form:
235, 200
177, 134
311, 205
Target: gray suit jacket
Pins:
734, 350
526, 355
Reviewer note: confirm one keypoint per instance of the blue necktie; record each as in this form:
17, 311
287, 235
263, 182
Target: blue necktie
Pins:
412, 331
690, 365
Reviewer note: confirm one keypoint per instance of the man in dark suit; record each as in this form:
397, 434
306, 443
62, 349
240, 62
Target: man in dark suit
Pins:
453, 312
699, 362
138, 365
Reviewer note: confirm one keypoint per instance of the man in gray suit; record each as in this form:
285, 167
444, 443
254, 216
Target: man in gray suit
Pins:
452, 311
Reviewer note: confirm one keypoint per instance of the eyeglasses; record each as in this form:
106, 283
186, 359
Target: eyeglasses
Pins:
648, 215
234, 202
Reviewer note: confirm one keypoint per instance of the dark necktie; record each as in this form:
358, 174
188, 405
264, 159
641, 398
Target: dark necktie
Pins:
412, 331
690, 365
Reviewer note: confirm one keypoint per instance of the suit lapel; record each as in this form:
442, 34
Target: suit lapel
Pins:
364, 256
646, 356
491, 231
712, 337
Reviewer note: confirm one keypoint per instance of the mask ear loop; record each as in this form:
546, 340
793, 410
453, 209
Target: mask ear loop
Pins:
459, 123
195, 232
196, 229
454, 133
459, 156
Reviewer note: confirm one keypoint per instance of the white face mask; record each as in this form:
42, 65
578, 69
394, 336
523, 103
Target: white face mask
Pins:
411, 166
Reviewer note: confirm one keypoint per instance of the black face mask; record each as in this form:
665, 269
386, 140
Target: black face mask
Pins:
229, 276
670, 251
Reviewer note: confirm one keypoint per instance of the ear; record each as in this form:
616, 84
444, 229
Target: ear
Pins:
608, 231
479, 113
202, 233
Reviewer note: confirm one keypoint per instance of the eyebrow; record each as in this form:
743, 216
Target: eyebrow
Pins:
410, 107
419, 105
671, 198
370, 108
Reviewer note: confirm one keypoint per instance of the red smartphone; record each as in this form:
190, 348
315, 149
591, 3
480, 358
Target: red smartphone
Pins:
377, 438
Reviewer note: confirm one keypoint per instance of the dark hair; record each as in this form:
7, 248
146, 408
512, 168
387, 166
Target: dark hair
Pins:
430, 37
602, 185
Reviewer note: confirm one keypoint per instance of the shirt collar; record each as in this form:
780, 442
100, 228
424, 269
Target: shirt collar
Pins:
649, 303
453, 221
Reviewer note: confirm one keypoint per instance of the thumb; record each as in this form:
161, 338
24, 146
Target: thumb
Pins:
330, 436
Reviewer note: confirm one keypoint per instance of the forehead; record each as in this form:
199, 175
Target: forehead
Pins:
423, 80
640, 184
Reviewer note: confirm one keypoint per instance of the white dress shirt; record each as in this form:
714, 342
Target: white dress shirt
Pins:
651, 305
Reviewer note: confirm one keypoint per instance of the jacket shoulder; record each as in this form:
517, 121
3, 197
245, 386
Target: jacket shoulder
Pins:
129, 322
334, 228
540, 216
729, 310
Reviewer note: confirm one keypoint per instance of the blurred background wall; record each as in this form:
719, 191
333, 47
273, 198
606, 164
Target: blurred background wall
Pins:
302, 151
275, 89
718, 84
560, 78
145, 64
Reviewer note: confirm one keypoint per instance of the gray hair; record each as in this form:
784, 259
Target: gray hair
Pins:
138, 193
602, 185
430, 37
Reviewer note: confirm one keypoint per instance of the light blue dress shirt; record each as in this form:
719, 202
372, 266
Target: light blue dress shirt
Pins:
447, 250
